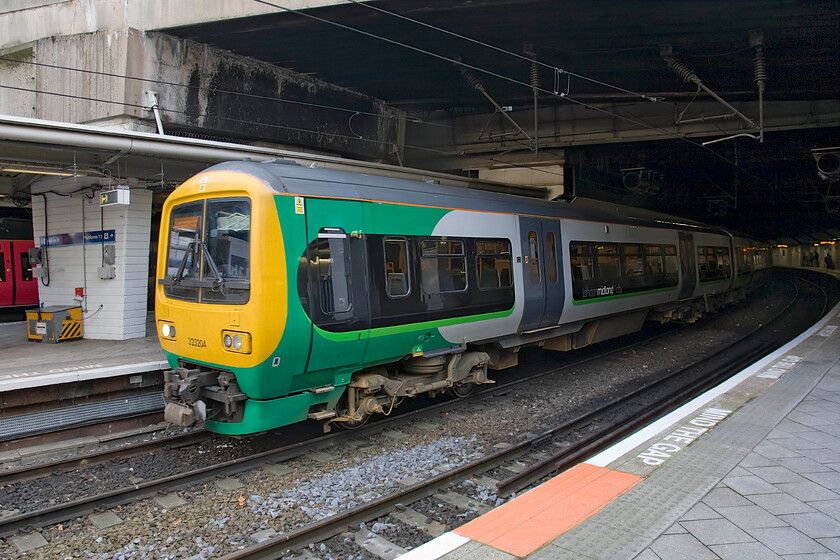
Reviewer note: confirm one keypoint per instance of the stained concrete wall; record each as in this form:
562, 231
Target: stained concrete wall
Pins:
18, 78
102, 78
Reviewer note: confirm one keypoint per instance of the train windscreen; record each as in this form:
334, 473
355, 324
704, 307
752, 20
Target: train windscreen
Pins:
208, 252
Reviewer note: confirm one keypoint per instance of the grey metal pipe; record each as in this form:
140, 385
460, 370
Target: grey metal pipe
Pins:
173, 147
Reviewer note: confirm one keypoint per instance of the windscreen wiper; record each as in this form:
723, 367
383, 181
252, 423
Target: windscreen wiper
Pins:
219, 282
179, 275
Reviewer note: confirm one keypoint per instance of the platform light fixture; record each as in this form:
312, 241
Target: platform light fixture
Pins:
37, 170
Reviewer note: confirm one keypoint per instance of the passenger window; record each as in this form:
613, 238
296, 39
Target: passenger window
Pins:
443, 266
534, 257
670, 259
653, 260
551, 257
330, 257
633, 267
493, 262
25, 267
580, 256
396, 267
608, 263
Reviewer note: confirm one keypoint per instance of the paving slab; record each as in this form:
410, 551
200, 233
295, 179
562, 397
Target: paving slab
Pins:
681, 547
751, 517
716, 531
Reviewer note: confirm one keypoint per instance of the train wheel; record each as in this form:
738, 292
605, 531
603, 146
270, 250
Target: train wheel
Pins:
462, 390
354, 425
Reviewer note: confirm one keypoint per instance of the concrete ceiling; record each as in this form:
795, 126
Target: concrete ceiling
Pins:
614, 42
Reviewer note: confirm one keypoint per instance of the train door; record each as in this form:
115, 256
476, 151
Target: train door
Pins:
533, 272
26, 287
337, 283
688, 266
553, 272
7, 283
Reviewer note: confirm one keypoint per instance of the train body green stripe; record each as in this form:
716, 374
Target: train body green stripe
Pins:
411, 327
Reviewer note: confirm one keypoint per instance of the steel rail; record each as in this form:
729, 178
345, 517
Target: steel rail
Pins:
125, 495
31, 472
615, 431
331, 526
706, 375
83, 506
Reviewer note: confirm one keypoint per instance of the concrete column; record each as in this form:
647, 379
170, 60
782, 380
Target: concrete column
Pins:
115, 308
547, 174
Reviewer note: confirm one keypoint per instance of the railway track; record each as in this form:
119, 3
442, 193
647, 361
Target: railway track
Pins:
629, 413
602, 434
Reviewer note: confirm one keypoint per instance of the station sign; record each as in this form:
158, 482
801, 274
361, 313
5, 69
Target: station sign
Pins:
114, 196
78, 238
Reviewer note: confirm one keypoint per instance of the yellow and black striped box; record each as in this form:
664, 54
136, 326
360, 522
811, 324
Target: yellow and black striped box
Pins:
54, 323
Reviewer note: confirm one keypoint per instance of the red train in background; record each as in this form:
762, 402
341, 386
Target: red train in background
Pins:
18, 288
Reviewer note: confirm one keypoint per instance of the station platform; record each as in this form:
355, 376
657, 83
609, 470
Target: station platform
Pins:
749, 470
49, 388
28, 364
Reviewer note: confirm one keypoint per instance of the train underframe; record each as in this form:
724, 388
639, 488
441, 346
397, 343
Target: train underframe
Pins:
194, 393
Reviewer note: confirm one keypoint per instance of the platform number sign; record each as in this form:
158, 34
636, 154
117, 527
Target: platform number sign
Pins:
114, 196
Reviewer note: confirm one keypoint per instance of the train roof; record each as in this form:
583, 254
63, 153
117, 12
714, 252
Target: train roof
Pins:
288, 177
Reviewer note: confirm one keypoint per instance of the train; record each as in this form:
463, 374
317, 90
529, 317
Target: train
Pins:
285, 293
18, 287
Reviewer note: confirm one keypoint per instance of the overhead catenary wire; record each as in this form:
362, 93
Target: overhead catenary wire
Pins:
269, 125
634, 120
434, 151
638, 121
501, 50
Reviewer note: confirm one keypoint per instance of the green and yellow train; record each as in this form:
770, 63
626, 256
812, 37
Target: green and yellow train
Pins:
287, 293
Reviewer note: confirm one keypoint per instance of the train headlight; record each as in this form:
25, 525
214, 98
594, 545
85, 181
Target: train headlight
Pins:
167, 330
236, 342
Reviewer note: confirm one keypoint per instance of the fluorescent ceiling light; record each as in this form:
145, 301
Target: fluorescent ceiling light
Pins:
33, 170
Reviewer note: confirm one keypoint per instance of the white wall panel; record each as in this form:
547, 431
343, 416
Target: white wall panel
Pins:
113, 309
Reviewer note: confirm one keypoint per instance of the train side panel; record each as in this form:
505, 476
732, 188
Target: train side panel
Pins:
614, 269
